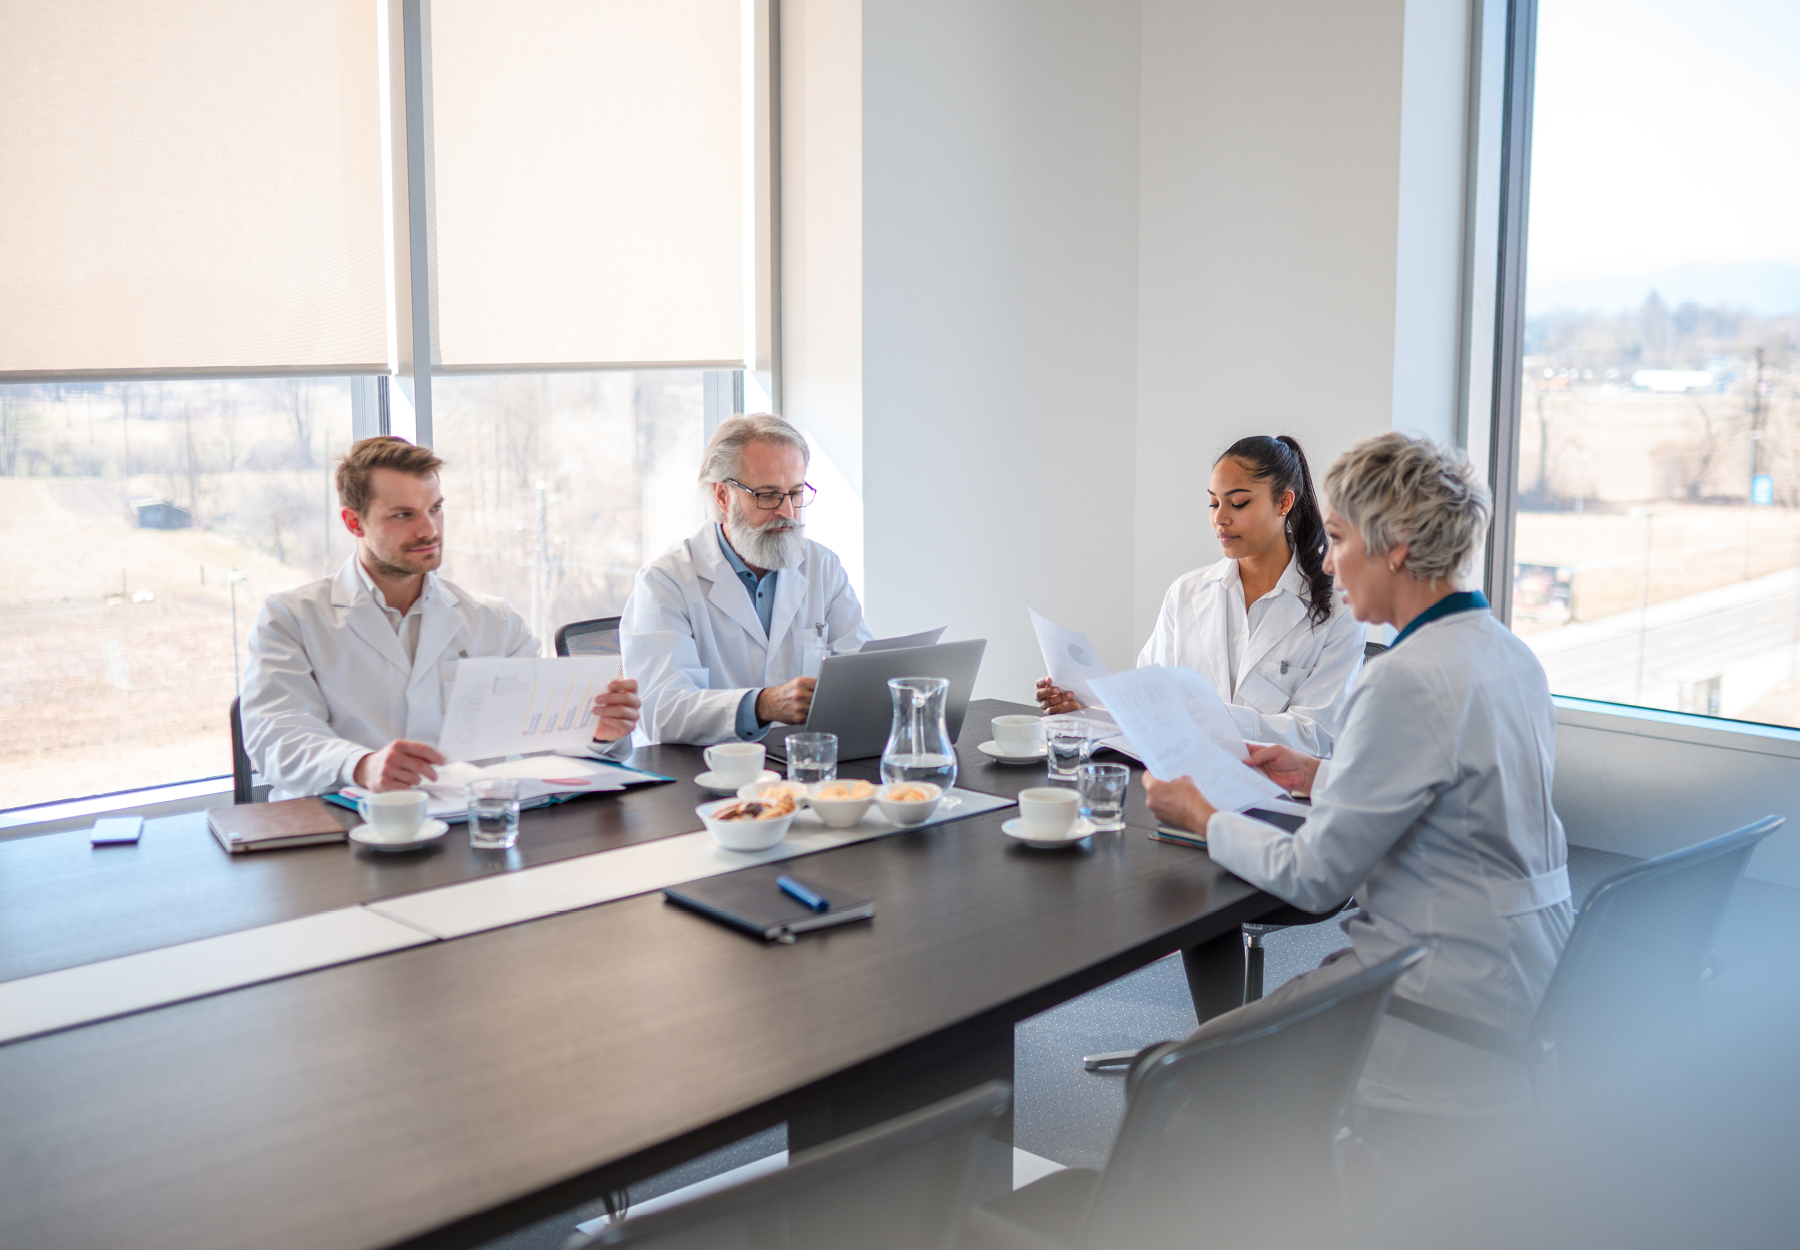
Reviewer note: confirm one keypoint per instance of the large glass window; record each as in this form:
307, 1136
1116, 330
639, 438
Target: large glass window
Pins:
143, 523
1658, 508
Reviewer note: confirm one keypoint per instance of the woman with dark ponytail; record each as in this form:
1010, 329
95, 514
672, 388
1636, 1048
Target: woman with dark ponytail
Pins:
1261, 625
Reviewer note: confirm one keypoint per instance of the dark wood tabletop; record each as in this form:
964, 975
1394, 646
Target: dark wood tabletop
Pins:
445, 1094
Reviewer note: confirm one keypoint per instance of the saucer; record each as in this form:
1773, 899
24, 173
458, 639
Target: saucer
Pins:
429, 832
993, 752
1078, 833
708, 781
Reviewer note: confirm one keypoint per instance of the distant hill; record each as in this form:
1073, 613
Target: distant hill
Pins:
1764, 287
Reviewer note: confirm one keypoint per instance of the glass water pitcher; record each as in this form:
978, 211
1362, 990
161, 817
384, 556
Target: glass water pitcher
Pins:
918, 746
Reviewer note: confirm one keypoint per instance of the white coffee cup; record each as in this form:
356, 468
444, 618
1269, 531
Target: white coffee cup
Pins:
735, 763
1019, 735
393, 815
1048, 811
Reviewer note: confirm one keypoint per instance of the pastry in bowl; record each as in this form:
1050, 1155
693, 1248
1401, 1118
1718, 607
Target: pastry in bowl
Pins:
909, 802
748, 824
841, 803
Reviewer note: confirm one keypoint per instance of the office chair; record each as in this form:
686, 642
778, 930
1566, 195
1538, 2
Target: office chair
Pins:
903, 1185
243, 779
1254, 932
1228, 1139
1627, 987
599, 636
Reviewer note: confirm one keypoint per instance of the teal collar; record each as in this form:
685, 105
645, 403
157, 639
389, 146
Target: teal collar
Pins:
1461, 601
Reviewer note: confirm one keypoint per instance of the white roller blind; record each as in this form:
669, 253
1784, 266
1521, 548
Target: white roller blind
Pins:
587, 183
190, 184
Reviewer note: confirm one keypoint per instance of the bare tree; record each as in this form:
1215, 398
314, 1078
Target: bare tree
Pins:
297, 403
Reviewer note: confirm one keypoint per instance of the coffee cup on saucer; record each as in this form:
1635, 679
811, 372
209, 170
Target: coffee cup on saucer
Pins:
1019, 735
735, 763
393, 815
1048, 811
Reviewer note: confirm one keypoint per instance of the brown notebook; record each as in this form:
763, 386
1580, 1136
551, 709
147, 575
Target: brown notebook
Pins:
269, 826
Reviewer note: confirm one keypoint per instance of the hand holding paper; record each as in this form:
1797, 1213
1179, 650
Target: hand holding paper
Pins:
520, 706
1070, 657
1155, 707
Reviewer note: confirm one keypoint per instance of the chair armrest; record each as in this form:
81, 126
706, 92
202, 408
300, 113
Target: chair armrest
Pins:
983, 1230
1496, 1041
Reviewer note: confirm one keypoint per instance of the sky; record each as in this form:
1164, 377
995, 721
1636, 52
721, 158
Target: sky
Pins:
1665, 133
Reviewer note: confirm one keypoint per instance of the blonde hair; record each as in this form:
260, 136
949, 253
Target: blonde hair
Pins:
384, 451
1394, 489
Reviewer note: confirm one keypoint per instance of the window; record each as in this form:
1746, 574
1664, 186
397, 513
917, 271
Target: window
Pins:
1657, 540
144, 522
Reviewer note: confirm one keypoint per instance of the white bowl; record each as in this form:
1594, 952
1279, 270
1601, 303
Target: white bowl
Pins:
769, 789
916, 812
743, 835
839, 813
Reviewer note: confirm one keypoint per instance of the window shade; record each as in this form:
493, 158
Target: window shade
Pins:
587, 183
193, 184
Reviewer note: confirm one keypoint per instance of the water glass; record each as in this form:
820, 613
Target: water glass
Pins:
811, 757
1103, 788
493, 812
1069, 747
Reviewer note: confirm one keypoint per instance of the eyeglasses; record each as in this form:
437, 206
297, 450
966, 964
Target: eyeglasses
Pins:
769, 500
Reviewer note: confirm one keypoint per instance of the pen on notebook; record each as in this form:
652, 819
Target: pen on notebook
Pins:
800, 894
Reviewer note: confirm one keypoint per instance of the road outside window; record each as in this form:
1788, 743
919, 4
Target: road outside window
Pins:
1658, 531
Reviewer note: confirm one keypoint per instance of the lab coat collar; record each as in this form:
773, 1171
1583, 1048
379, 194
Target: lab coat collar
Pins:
1287, 608
358, 612
724, 591
790, 595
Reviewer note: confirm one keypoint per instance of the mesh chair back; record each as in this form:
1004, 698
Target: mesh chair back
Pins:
1233, 1135
1373, 649
242, 779
1629, 979
903, 1185
599, 636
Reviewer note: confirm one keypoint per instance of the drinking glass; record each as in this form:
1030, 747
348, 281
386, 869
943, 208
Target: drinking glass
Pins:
493, 812
811, 757
1068, 743
1103, 788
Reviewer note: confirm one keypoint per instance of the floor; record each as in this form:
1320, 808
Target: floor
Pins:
1068, 1115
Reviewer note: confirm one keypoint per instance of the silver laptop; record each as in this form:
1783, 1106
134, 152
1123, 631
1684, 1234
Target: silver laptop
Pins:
852, 700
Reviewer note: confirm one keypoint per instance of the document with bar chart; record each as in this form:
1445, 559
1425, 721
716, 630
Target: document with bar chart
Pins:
522, 706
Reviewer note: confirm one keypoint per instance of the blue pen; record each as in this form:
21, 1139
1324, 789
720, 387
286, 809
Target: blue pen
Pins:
800, 894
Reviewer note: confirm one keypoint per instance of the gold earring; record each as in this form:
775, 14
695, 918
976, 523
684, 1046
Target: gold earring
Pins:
1393, 568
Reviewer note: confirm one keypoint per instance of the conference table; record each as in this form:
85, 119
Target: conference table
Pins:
447, 1093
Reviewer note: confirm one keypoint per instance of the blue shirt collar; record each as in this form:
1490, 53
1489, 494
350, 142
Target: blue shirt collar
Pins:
1460, 601
761, 589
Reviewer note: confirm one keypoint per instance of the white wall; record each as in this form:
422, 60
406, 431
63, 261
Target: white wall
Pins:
999, 320
1269, 163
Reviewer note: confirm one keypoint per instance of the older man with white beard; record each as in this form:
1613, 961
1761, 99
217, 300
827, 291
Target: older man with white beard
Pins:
721, 630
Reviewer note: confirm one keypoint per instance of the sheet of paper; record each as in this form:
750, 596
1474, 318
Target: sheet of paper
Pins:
1209, 711
1151, 707
523, 706
1070, 658
927, 639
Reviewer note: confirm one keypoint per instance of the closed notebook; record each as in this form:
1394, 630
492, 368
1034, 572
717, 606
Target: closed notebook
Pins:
752, 901
1181, 837
270, 826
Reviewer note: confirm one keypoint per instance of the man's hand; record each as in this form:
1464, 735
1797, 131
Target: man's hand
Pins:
617, 710
1178, 803
1054, 699
400, 765
788, 703
1292, 770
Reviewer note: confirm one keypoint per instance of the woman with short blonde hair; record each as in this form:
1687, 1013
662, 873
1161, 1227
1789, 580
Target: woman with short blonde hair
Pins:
1435, 806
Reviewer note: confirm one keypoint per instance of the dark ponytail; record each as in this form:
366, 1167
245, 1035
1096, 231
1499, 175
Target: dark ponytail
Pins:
1280, 462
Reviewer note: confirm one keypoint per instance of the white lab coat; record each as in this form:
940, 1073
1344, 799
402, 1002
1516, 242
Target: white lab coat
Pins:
328, 681
1204, 626
691, 637
1436, 811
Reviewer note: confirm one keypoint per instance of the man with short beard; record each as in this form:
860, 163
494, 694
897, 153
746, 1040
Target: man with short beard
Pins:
721, 629
347, 675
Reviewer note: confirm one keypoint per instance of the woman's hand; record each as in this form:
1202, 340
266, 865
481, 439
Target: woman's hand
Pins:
1054, 699
1292, 770
1178, 803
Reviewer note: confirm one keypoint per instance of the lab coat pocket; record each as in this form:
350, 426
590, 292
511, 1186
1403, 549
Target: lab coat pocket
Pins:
1267, 688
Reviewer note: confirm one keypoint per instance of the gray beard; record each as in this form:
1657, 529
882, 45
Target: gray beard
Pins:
772, 547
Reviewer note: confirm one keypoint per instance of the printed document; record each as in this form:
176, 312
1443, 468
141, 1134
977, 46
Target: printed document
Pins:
1156, 708
927, 639
523, 706
1070, 658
